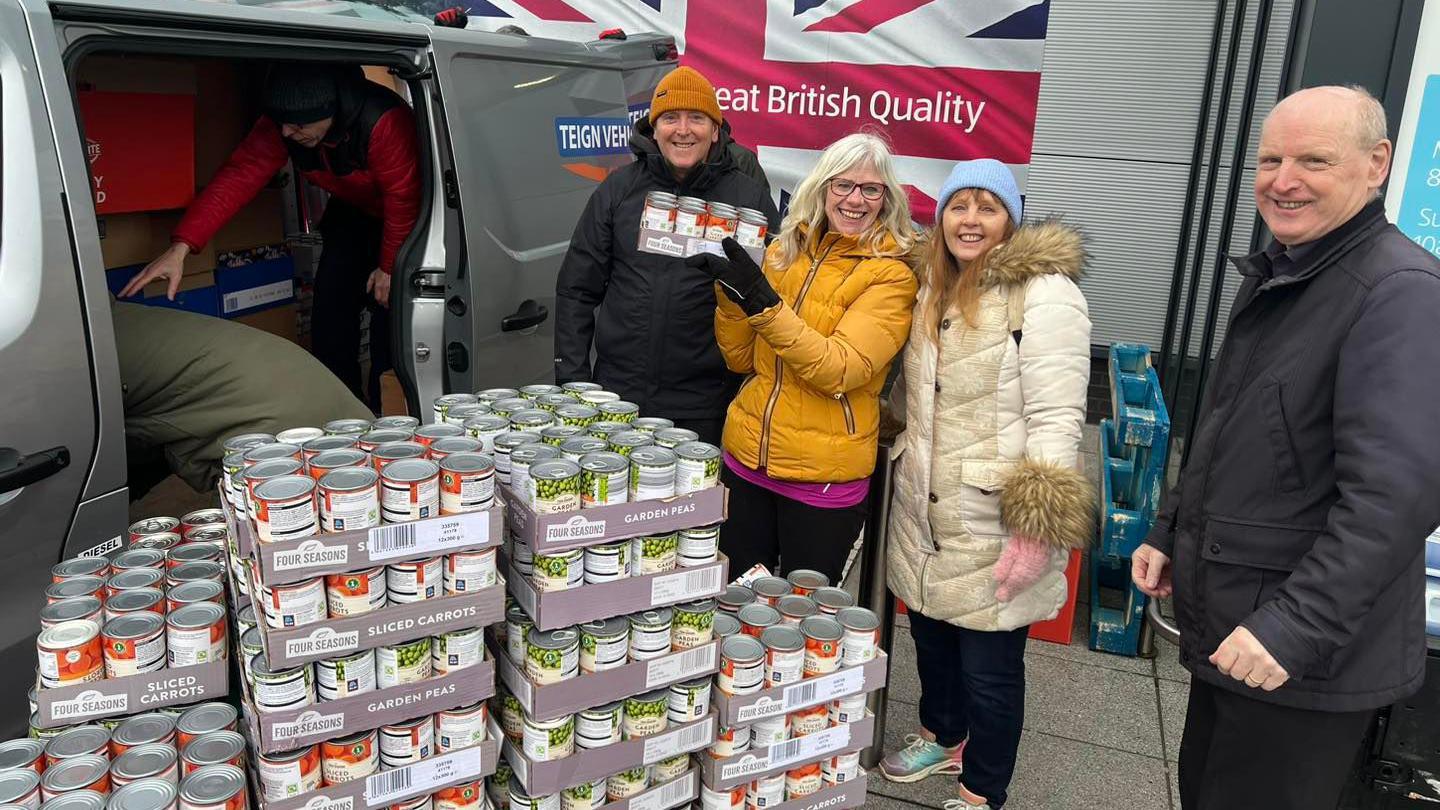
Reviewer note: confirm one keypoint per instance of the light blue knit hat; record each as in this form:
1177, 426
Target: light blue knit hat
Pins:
986, 173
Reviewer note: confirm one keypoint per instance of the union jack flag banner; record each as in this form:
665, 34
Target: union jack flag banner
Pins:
946, 80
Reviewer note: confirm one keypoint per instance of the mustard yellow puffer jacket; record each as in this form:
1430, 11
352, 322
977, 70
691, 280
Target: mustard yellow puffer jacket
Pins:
809, 409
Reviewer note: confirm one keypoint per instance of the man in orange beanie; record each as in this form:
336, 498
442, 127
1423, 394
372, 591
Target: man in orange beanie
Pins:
648, 318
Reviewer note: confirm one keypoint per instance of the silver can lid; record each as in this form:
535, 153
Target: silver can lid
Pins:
395, 423
81, 567
285, 487
79, 586
796, 606
212, 784
250, 639
583, 445
496, 394
605, 428
462, 412
606, 628
539, 389
555, 469
410, 470
439, 430
577, 410
807, 579
260, 666
131, 626
487, 423
771, 587
517, 615
18, 784
652, 456
554, 399
516, 438
246, 615
74, 800
467, 463
532, 418
155, 525
660, 695
325, 444
196, 615
858, 618
510, 405
20, 753
783, 637
654, 617
338, 459
604, 461
270, 452
273, 468
447, 400
144, 794
78, 741
208, 533
742, 648
451, 445
298, 436
144, 761
215, 748
206, 718
245, 441
558, 434
674, 437
72, 774
697, 451
725, 625
736, 597
394, 451
652, 424
204, 569
632, 438
380, 438
76, 607
68, 634
199, 590
562, 638
533, 453
618, 407
757, 614
132, 578
699, 606
833, 598
339, 427
194, 551
144, 728
822, 628
349, 479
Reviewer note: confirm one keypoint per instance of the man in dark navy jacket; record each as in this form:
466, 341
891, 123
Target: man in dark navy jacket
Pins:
1294, 541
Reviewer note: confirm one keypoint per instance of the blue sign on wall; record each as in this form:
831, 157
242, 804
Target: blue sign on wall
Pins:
589, 137
1420, 200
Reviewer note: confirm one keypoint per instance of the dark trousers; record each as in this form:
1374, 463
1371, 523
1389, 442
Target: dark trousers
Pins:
351, 252
1239, 753
785, 535
972, 687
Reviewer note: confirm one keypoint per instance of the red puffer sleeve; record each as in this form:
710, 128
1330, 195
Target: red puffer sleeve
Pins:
394, 164
249, 168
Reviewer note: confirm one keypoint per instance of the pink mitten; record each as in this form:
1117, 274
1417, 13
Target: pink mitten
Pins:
1021, 564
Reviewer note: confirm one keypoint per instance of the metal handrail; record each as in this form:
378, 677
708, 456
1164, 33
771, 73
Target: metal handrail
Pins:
1162, 625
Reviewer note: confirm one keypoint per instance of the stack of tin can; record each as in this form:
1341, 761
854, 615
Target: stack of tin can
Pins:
777, 632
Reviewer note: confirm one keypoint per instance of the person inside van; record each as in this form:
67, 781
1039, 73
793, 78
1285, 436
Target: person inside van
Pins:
649, 317
356, 139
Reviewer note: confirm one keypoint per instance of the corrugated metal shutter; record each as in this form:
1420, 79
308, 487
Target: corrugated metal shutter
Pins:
1119, 99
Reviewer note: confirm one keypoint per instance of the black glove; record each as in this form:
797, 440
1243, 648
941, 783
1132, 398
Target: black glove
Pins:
453, 17
739, 276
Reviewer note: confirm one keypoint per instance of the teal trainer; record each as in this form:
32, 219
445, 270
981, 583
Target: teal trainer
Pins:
920, 758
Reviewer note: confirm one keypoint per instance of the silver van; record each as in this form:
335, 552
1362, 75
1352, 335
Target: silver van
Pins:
473, 284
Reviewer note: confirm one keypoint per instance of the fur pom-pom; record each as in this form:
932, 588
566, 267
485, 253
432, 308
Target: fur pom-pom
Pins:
1050, 503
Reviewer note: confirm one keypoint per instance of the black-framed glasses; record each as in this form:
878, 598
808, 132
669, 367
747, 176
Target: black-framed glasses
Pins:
841, 187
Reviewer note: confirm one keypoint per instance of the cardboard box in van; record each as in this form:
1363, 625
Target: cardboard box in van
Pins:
127, 135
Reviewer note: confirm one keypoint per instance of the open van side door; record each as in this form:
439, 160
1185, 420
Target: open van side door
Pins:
534, 125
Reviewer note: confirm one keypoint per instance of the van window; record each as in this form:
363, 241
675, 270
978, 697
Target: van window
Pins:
414, 11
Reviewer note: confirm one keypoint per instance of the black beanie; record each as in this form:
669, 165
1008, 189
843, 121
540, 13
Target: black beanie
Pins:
300, 94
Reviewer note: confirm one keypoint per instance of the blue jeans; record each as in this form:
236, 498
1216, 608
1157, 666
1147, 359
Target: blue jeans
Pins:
972, 686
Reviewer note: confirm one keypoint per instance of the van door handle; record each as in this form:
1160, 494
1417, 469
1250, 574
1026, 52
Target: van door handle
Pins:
18, 471
531, 313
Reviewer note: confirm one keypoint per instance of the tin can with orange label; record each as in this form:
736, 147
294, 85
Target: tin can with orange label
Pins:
80, 567
194, 592
78, 586
332, 460
802, 781
69, 610
751, 230
204, 719
467, 483
409, 490
154, 525
349, 499
464, 796
23, 753
356, 592
195, 634
200, 518
158, 542
142, 729
133, 579
215, 748
812, 720
822, 645
287, 774
285, 509
70, 653
81, 773
346, 759
151, 600
194, 551
134, 643
214, 787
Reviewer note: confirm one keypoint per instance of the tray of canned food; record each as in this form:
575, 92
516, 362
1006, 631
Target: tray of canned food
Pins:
412, 764
776, 746
804, 788
384, 605
791, 644
679, 226
366, 690
445, 472
558, 591
647, 787
144, 630
547, 756
557, 672
150, 761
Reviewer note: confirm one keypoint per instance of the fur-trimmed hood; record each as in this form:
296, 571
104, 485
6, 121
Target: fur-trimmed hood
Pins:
1044, 248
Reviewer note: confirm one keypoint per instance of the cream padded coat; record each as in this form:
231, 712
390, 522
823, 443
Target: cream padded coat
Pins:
991, 439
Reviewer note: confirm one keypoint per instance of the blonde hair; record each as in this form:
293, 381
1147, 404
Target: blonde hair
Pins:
948, 285
807, 207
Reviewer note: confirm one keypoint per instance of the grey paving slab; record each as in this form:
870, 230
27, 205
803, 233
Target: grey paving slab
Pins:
903, 719
1174, 697
1078, 650
1054, 773
1174, 774
1167, 662
1092, 704
875, 801
904, 679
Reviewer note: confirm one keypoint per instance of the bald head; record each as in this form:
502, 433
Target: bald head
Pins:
1323, 155
1348, 107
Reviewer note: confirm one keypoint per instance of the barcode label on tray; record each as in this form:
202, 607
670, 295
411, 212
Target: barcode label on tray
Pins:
677, 792
678, 742
680, 666
824, 689
810, 746
393, 541
425, 776
686, 586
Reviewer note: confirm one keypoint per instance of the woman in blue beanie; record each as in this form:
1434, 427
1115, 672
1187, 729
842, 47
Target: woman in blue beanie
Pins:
988, 498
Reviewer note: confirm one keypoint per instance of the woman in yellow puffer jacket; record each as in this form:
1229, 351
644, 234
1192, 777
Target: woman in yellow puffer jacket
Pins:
815, 333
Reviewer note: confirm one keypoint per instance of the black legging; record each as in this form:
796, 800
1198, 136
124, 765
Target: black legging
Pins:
351, 252
785, 534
